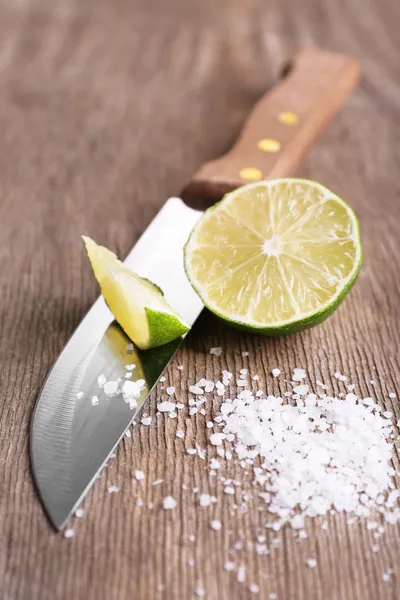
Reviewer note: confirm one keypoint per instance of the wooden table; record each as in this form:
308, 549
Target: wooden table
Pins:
106, 109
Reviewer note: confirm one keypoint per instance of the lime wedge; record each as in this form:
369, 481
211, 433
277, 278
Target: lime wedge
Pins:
137, 304
275, 256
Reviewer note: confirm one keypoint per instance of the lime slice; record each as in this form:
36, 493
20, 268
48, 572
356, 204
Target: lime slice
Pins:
137, 304
275, 256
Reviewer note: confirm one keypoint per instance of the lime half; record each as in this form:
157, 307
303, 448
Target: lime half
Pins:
275, 256
137, 304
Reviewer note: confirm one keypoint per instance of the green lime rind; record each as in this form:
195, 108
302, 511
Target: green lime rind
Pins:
163, 327
297, 324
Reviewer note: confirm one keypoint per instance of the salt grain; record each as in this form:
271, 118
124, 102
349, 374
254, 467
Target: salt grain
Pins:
216, 439
139, 475
254, 588
169, 502
146, 420
166, 406
170, 390
200, 592
180, 433
113, 489
79, 513
311, 563
298, 374
110, 388
302, 390
241, 574
216, 525
276, 372
69, 533
195, 389
229, 565
80, 395
101, 380
216, 351
205, 499
95, 400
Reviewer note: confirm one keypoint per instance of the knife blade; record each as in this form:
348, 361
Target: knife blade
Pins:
71, 439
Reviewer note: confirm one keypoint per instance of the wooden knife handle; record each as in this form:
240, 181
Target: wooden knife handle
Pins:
283, 124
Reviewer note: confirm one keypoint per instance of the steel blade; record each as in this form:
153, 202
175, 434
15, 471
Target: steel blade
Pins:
71, 440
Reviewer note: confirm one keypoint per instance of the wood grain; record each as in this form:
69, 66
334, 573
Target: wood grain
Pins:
106, 109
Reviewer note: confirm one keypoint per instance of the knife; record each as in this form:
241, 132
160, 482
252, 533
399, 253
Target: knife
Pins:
70, 439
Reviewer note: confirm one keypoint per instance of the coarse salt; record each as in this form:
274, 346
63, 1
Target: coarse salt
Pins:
69, 533
139, 475
169, 502
205, 500
200, 592
311, 563
146, 420
166, 406
101, 380
303, 446
298, 374
110, 388
79, 513
216, 525
170, 390
216, 351
216, 439
95, 400
195, 389
276, 372
241, 574
254, 588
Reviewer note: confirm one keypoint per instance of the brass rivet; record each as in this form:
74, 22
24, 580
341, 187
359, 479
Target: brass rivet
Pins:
251, 174
288, 118
269, 145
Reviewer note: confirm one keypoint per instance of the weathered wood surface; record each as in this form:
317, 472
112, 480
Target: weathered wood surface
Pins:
106, 108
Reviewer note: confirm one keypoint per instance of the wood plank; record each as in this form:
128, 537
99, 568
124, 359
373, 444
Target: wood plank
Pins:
106, 109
